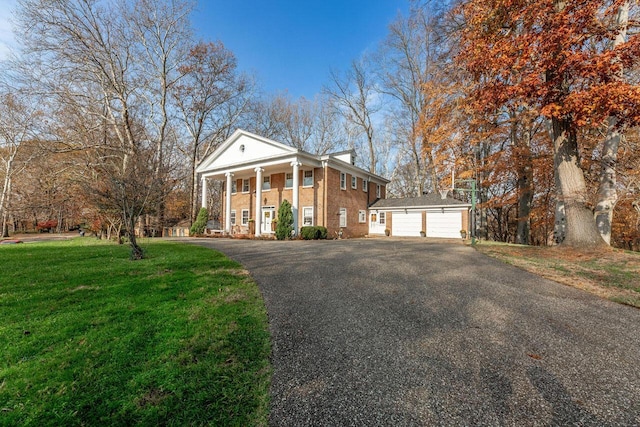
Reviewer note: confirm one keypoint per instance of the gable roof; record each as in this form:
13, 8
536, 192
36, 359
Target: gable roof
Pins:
245, 147
427, 201
245, 150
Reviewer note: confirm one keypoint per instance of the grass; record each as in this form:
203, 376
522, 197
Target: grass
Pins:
613, 274
91, 338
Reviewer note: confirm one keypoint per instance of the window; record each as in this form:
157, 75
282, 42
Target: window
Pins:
362, 216
382, 218
245, 216
266, 183
234, 186
378, 187
288, 180
354, 182
307, 216
245, 186
343, 181
343, 217
365, 185
233, 217
307, 180
374, 218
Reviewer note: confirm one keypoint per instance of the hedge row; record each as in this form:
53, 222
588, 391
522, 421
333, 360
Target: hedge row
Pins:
313, 233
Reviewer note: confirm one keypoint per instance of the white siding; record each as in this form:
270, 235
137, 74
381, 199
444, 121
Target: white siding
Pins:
246, 149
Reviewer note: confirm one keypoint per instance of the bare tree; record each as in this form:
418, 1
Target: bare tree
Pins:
162, 34
267, 116
312, 126
87, 55
408, 61
327, 133
18, 123
355, 93
210, 97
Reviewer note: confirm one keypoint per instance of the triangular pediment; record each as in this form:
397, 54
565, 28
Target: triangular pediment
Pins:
243, 147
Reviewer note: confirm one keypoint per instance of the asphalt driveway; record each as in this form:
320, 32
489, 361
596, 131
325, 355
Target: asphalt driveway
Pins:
384, 332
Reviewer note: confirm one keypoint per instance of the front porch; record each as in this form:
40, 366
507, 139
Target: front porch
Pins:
258, 174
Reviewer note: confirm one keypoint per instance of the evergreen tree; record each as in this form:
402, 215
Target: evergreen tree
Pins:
201, 222
284, 226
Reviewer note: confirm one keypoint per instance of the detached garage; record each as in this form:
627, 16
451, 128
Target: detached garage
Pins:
436, 216
443, 223
406, 224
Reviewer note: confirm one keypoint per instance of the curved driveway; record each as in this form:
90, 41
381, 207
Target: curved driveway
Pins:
386, 332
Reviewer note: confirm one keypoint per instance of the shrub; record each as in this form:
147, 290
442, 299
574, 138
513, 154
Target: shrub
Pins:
313, 233
201, 222
284, 224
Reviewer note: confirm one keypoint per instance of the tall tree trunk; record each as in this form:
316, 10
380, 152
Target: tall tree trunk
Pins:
580, 225
581, 229
372, 148
524, 168
418, 158
5, 228
607, 194
159, 172
136, 251
426, 149
194, 187
4, 198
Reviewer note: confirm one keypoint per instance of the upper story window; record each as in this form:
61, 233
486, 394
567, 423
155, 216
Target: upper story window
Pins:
354, 182
365, 185
378, 190
266, 183
343, 181
245, 186
307, 180
234, 186
288, 180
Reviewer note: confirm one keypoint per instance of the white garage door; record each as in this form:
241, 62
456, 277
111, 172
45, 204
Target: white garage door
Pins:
406, 224
444, 224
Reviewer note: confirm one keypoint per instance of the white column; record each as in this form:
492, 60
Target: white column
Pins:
227, 210
258, 201
204, 192
296, 193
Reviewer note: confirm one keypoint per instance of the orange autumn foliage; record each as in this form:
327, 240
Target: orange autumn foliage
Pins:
525, 51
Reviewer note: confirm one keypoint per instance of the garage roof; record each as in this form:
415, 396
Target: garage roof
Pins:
427, 201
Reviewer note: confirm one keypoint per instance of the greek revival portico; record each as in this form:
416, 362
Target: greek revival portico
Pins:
246, 164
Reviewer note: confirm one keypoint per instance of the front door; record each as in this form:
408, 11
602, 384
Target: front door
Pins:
374, 223
268, 213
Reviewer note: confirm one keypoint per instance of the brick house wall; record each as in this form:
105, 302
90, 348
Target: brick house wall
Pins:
325, 192
353, 200
465, 221
310, 196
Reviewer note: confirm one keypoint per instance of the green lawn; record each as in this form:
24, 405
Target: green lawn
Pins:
91, 338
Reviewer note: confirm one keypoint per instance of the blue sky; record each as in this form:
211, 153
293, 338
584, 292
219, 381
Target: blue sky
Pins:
288, 44
292, 45
6, 34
